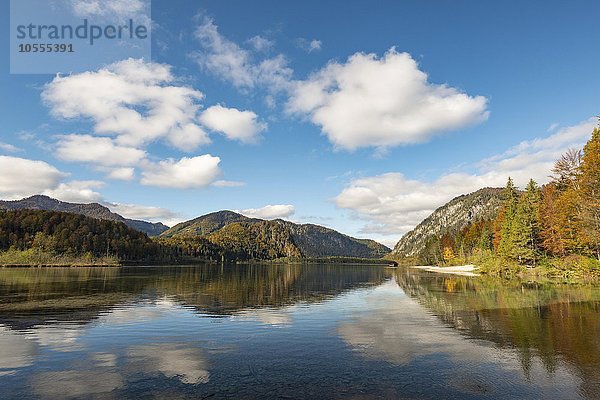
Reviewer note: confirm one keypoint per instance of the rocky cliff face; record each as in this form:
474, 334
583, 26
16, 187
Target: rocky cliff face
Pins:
453, 216
93, 210
277, 237
318, 241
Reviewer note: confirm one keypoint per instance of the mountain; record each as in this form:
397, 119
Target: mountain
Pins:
451, 217
318, 241
206, 224
93, 210
264, 239
66, 234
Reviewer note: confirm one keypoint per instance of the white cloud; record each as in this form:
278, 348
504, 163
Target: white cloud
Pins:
21, 177
96, 150
109, 8
261, 43
222, 183
233, 123
227, 60
392, 204
223, 57
9, 148
134, 100
122, 174
186, 363
309, 45
185, 173
381, 102
270, 211
146, 213
76, 191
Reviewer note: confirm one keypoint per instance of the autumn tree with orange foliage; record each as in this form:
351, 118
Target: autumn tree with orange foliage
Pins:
589, 195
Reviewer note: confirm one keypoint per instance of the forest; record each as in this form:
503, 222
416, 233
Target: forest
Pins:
34, 237
30, 235
555, 227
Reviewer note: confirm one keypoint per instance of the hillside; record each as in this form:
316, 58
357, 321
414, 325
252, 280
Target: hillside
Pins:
93, 210
70, 234
205, 224
451, 217
273, 239
318, 241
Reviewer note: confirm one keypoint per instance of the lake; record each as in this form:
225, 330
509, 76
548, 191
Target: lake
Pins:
293, 332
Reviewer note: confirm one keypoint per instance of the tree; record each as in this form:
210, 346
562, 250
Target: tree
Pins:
525, 227
509, 209
589, 195
567, 169
561, 209
448, 254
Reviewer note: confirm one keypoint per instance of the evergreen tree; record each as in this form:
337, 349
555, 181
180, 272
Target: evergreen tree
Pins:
525, 227
509, 208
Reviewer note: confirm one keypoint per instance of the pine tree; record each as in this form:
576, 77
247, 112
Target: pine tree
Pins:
509, 209
526, 226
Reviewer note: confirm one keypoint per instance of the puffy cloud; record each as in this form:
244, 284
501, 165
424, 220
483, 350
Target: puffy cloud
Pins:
270, 211
97, 150
22, 177
146, 213
132, 99
137, 103
123, 174
233, 123
393, 204
260, 43
185, 173
236, 65
76, 191
388, 101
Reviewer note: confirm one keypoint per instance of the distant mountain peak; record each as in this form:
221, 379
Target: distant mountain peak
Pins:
93, 210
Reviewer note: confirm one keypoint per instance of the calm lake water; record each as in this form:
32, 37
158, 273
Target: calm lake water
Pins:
293, 332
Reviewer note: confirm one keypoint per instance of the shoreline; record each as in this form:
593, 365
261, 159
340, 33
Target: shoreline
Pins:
463, 270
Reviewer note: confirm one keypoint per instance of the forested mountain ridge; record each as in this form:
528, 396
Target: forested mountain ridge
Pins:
61, 233
93, 210
451, 217
206, 224
273, 238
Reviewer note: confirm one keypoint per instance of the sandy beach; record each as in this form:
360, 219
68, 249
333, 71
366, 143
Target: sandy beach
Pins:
464, 270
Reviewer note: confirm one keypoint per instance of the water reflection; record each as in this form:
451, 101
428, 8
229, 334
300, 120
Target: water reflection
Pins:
17, 351
173, 360
294, 331
547, 323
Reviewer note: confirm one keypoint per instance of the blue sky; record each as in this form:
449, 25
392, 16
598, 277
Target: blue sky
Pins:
357, 117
